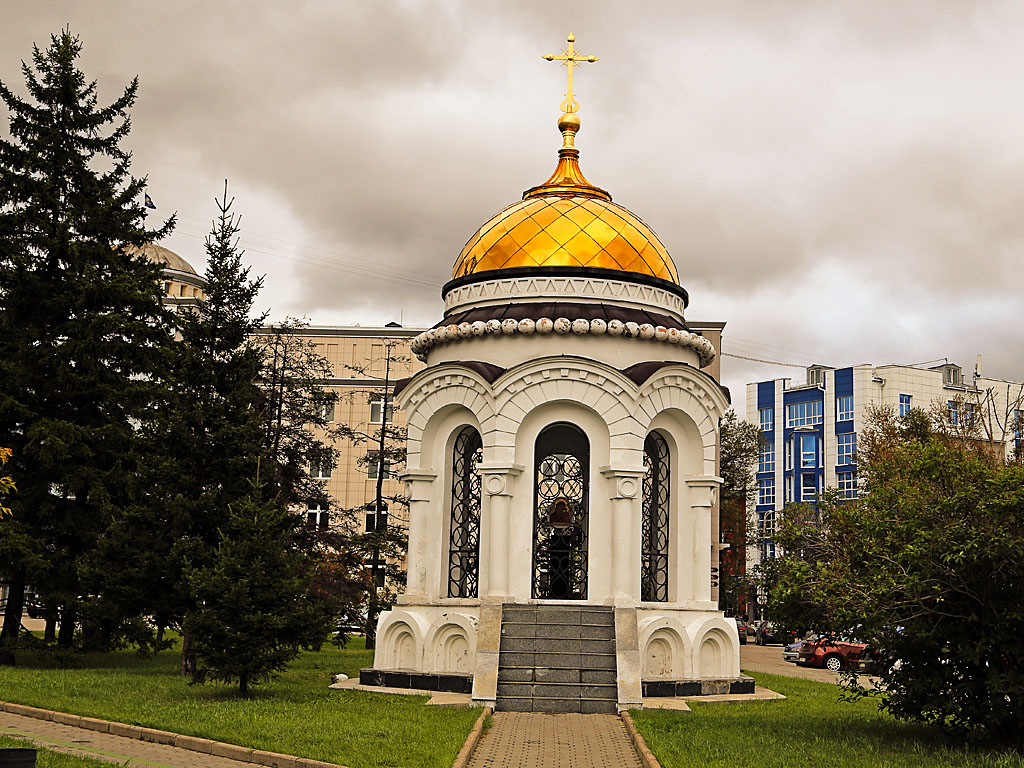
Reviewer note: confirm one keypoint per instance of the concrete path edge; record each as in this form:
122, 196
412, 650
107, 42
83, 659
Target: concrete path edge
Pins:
647, 758
193, 743
469, 745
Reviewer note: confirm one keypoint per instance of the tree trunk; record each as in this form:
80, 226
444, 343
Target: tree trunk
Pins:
188, 656
68, 620
12, 618
243, 684
50, 633
159, 634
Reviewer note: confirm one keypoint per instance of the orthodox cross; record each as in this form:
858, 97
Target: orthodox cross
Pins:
570, 58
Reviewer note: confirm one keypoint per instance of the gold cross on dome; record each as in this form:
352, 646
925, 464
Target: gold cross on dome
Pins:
570, 58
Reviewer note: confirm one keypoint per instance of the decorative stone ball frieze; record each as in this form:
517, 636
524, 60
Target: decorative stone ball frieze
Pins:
563, 325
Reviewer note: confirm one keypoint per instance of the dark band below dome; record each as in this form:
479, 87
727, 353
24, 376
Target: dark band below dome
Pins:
597, 272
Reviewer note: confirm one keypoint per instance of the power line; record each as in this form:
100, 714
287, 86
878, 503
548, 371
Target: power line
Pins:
760, 360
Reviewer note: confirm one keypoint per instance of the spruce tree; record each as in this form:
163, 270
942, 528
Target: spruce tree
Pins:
81, 331
253, 609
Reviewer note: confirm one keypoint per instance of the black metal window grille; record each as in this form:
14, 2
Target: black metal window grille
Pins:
561, 514
654, 555
464, 536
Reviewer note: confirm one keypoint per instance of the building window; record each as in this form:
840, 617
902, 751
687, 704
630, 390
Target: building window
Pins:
766, 529
970, 414
766, 463
320, 469
803, 414
326, 407
954, 412
808, 451
952, 377
377, 410
1018, 423
654, 539
844, 408
788, 450
905, 405
808, 486
375, 464
846, 448
847, 484
766, 491
767, 419
789, 489
317, 517
376, 521
464, 521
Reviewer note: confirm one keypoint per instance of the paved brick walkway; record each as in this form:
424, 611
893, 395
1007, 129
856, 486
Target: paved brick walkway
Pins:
529, 740
105, 746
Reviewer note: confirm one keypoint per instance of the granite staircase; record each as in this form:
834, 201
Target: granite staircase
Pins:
557, 658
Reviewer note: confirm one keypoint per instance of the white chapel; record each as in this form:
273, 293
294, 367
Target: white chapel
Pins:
562, 468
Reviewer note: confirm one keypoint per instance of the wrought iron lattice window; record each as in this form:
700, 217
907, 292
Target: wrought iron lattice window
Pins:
561, 514
464, 536
654, 552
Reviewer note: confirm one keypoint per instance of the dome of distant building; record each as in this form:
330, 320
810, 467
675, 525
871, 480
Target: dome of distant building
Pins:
182, 285
160, 255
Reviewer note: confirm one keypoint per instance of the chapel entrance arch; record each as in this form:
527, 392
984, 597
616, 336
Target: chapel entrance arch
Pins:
561, 513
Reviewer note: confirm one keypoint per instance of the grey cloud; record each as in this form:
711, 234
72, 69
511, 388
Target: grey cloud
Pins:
760, 140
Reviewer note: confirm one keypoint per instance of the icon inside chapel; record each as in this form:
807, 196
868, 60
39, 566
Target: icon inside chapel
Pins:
559, 514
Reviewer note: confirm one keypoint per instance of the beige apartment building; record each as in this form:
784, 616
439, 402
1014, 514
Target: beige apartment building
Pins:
365, 362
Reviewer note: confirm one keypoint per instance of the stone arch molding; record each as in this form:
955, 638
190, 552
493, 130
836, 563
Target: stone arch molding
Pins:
450, 645
434, 390
715, 648
627, 409
666, 649
400, 640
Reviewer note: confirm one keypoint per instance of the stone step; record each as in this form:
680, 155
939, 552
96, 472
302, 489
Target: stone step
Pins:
548, 675
557, 691
550, 614
558, 631
557, 660
556, 645
556, 706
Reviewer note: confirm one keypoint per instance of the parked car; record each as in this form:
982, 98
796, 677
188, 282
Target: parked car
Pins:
741, 627
768, 634
792, 651
833, 654
34, 607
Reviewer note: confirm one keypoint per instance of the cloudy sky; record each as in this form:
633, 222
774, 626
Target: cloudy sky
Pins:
842, 182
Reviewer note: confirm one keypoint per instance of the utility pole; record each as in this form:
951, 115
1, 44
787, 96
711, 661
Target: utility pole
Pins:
374, 606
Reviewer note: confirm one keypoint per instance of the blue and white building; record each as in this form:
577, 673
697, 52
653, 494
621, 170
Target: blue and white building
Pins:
811, 428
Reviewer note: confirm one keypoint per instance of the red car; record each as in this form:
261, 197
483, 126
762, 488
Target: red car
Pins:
830, 654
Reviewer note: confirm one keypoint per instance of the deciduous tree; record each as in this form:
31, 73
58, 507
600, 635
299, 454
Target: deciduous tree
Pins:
926, 565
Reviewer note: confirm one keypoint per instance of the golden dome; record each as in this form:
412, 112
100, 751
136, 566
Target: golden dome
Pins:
566, 222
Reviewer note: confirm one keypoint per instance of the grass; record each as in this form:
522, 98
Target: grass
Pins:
47, 759
295, 714
810, 728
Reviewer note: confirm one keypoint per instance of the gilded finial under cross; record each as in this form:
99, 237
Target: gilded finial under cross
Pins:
570, 58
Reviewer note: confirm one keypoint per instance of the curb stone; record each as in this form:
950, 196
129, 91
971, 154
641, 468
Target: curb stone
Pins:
191, 743
469, 746
647, 758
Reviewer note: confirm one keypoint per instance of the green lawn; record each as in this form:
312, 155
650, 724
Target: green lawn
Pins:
810, 728
296, 713
47, 759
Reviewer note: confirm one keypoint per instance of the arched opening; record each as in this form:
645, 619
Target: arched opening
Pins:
464, 529
560, 513
655, 538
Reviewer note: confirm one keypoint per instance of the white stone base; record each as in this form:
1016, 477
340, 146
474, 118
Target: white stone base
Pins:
653, 642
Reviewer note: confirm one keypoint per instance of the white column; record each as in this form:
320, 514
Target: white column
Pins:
626, 532
702, 492
496, 481
418, 487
